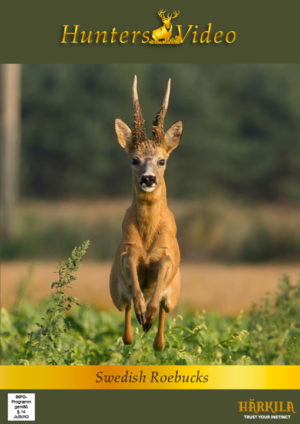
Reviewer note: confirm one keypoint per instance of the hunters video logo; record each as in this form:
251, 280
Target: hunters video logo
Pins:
163, 34
167, 34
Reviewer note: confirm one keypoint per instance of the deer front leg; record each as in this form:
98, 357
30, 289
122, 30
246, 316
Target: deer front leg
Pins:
165, 274
130, 263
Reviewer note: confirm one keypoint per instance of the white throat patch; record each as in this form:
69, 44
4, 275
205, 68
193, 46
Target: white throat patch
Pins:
148, 189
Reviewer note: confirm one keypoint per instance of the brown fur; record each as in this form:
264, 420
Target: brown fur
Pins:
146, 263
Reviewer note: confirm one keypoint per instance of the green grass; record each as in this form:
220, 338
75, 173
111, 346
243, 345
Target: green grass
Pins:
52, 333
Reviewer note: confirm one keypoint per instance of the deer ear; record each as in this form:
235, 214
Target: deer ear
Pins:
124, 133
173, 135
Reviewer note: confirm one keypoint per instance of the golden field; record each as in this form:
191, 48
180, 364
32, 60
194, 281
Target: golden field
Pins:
210, 286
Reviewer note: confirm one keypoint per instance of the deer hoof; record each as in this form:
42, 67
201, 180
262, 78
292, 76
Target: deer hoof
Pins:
139, 307
147, 326
141, 318
127, 339
158, 344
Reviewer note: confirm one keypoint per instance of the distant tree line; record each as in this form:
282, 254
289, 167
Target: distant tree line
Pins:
241, 129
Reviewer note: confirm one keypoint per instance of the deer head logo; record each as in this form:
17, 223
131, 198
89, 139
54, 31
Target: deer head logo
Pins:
163, 34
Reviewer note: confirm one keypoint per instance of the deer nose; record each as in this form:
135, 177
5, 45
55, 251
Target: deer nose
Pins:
148, 180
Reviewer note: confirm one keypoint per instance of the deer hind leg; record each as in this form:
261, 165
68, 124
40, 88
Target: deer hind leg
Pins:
170, 299
127, 334
159, 341
167, 304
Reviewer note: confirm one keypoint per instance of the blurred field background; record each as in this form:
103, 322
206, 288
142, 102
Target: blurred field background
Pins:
233, 183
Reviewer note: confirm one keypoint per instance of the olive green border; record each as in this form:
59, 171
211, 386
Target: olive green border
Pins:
267, 31
144, 406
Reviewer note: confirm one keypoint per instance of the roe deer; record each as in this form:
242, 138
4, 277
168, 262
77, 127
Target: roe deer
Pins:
146, 263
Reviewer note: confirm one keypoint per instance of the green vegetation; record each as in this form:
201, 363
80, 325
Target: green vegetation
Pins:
45, 341
52, 334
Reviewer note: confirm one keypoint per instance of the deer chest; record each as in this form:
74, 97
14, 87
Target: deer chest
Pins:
148, 277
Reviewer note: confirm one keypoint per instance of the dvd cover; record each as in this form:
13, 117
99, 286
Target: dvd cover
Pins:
149, 235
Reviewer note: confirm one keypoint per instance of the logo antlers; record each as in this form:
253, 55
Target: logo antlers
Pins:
161, 14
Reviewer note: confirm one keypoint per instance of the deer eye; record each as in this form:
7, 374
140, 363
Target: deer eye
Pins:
135, 161
161, 162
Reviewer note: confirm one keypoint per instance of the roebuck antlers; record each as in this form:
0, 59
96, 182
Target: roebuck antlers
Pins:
146, 263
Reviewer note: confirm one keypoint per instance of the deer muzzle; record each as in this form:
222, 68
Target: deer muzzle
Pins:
148, 182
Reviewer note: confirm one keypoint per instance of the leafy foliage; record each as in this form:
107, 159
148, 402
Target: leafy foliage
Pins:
269, 334
45, 342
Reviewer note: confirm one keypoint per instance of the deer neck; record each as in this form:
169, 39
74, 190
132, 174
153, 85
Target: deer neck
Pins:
168, 26
148, 210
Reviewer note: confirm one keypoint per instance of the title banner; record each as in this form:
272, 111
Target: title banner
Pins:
150, 377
